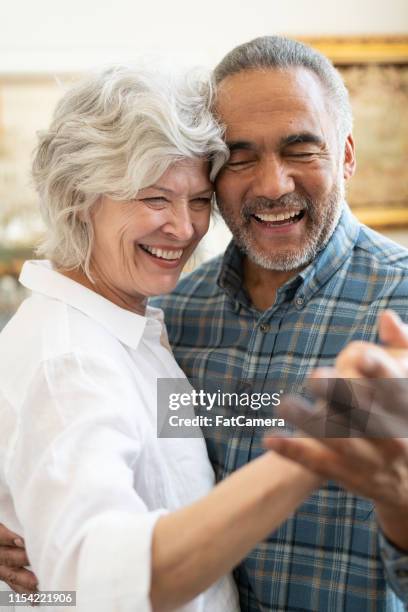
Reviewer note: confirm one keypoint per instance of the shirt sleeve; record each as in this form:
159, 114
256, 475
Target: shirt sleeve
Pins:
396, 567
69, 468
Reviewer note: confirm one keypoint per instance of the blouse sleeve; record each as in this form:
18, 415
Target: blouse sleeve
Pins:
69, 467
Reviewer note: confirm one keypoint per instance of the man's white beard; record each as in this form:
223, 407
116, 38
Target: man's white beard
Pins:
296, 259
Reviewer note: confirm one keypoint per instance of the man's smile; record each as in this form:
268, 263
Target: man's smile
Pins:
279, 218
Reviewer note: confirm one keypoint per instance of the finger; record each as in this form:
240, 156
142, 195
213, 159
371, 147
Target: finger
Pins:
9, 538
332, 416
324, 373
316, 457
364, 408
348, 361
370, 360
344, 418
307, 452
342, 396
392, 448
20, 580
392, 331
349, 371
391, 402
302, 414
327, 430
352, 452
13, 556
379, 363
24, 591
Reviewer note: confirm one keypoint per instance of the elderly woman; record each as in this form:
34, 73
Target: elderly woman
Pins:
106, 508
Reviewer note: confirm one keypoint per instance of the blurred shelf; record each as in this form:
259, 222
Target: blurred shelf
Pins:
11, 260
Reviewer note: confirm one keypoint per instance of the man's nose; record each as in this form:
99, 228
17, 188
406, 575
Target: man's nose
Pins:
180, 224
272, 179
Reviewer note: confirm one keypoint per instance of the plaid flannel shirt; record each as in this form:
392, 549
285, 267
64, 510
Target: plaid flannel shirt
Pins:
329, 555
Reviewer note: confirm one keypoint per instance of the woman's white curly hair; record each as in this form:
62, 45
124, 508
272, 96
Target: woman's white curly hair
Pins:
115, 133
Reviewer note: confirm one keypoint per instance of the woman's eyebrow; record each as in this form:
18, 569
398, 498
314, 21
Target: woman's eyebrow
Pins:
208, 190
167, 190
159, 187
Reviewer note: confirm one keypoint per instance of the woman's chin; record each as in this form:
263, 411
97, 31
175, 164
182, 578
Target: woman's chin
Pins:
161, 286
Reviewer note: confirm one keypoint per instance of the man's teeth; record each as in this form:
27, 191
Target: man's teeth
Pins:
269, 217
162, 253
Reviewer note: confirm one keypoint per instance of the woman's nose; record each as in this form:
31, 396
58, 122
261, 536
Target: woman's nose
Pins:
180, 225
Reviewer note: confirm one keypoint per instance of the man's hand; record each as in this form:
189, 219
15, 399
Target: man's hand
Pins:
13, 558
375, 466
364, 359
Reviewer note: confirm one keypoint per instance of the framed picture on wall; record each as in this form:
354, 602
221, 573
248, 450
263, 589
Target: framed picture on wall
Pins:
375, 70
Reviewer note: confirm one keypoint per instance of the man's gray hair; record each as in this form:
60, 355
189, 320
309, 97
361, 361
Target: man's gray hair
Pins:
113, 134
277, 52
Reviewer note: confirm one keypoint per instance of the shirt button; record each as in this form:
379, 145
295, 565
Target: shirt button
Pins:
264, 327
300, 300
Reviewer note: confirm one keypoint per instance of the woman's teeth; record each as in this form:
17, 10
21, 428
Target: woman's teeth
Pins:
162, 253
271, 218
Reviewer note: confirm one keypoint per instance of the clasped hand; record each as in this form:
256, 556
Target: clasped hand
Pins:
364, 446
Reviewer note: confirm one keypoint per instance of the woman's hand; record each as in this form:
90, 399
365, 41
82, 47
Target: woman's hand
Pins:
13, 559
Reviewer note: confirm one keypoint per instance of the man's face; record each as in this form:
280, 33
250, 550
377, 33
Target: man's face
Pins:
281, 191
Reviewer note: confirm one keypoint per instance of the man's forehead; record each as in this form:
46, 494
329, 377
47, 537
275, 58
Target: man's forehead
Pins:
262, 95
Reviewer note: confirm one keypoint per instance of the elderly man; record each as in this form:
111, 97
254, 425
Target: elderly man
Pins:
299, 281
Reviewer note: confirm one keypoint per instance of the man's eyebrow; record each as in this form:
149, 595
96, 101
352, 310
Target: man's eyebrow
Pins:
239, 145
302, 137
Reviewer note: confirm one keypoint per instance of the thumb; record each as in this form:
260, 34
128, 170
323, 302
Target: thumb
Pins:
392, 331
9, 538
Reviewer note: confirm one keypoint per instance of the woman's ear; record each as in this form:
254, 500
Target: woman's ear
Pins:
349, 161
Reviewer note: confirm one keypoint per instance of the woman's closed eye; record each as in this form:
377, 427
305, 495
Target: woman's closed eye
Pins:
155, 201
201, 202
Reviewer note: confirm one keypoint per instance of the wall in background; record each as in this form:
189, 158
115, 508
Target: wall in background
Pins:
47, 35
54, 37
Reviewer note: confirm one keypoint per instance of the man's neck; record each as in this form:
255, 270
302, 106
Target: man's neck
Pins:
262, 284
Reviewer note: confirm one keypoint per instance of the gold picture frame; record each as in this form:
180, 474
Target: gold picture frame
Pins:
375, 70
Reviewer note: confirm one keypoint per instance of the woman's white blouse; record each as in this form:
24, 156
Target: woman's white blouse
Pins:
83, 476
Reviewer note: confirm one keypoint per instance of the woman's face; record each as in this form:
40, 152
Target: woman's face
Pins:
141, 245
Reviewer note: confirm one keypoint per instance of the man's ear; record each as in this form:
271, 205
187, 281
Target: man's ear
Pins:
349, 161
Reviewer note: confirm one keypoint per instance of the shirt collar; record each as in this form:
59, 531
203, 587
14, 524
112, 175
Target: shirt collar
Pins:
126, 326
309, 280
230, 278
